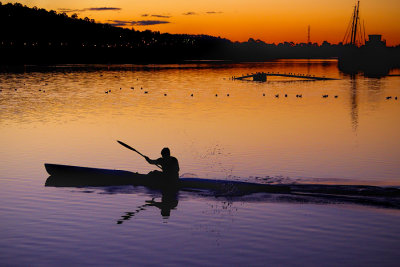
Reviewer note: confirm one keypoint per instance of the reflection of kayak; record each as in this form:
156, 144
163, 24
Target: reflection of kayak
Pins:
64, 176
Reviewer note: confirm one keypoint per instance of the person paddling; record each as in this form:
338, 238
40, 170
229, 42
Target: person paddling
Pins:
169, 165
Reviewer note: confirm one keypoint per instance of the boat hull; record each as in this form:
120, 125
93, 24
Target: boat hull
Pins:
74, 176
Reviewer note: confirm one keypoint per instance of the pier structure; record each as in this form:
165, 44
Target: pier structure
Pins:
262, 76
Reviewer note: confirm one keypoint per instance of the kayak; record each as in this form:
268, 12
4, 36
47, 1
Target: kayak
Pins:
75, 176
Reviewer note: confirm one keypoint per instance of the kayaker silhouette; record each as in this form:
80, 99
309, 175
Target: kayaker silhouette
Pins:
169, 190
168, 164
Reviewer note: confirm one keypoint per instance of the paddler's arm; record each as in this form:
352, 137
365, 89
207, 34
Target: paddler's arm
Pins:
151, 161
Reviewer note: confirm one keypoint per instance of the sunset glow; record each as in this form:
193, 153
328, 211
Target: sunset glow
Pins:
272, 21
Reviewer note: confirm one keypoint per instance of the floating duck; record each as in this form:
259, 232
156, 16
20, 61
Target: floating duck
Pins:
146, 92
285, 95
165, 94
191, 95
227, 94
336, 96
388, 97
277, 95
263, 94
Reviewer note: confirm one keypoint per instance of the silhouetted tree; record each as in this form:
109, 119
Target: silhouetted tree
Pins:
34, 35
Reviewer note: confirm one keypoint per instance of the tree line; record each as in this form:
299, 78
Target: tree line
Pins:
37, 36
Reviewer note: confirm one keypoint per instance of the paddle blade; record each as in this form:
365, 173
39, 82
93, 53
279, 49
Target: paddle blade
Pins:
131, 148
125, 145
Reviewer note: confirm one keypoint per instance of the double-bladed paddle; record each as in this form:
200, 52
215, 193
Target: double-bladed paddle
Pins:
131, 148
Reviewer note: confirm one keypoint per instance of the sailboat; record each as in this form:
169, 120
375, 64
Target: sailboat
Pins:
372, 56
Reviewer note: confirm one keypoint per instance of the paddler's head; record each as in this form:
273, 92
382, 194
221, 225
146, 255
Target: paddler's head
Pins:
165, 153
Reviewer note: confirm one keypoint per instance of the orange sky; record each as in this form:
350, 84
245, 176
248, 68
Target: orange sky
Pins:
268, 20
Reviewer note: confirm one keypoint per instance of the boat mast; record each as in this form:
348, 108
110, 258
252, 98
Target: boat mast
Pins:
354, 31
352, 26
355, 23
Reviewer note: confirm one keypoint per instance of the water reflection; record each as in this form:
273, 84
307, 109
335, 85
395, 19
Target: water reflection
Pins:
260, 135
246, 135
53, 225
169, 201
354, 103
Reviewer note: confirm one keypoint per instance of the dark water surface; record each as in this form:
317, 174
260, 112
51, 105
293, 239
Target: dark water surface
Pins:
63, 115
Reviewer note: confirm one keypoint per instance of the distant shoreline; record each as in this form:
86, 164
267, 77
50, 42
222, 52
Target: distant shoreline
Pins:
187, 64
38, 36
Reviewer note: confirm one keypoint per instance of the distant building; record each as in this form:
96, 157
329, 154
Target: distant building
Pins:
375, 40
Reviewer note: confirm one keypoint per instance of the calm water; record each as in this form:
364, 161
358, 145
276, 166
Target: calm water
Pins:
63, 115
